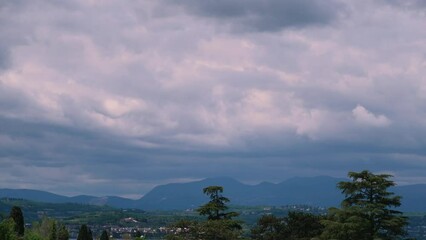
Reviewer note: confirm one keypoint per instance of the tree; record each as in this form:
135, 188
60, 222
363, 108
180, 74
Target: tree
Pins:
297, 225
7, 230
225, 229
216, 207
268, 227
302, 226
46, 228
368, 210
52, 234
18, 218
32, 235
219, 224
85, 233
90, 234
183, 230
63, 233
104, 235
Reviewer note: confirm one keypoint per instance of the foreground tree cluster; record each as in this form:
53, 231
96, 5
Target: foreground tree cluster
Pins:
368, 212
219, 224
13, 228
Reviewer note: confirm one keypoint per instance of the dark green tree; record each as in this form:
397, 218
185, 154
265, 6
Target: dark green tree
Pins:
302, 226
63, 233
344, 224
85, 233
268, 227
297, 225
225, 229
368, 210
219, 224
52, 234
90, 233
104, 235
18, 218
216, 207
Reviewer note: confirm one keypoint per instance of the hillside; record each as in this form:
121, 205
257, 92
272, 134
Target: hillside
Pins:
314, 191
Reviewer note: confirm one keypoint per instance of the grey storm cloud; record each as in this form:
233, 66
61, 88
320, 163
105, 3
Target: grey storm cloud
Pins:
4, 58
410, 4
102, 95
270, 15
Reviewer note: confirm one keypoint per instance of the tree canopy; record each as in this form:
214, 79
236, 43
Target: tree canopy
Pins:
297, 225
63, 233
368, 210
85, 233
7, 230
216, 207
104, 235
219, 224
18, 218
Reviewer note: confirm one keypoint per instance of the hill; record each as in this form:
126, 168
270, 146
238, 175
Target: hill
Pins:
42, 196
318, 191
315, 191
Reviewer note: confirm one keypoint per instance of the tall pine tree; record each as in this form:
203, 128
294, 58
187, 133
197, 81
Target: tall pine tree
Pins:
85, 233
53, 234
368, 210
104, 235
18, 218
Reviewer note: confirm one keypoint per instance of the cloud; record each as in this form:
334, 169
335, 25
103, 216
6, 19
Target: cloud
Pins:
265, 16
127, 95
363, 116
409, 4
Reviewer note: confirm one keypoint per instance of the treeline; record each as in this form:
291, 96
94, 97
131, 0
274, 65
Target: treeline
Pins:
13, 228
368, 212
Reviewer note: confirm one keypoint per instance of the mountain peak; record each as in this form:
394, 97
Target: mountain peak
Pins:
315, 191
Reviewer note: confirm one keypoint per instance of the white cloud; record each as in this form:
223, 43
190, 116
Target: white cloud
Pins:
135, 80
363, 116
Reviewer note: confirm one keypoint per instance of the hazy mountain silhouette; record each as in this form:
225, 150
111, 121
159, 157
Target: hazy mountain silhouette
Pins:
315, 191
318, 191
43, 196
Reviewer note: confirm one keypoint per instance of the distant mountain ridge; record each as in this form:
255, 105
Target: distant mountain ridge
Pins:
315, 191
319, 191
43, 196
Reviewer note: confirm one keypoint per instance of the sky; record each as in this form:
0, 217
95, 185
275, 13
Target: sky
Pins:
115, 97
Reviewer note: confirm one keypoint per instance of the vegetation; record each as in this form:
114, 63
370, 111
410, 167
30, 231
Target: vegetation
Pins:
85, 233
104, 235
18, 218
10, 229
297, 225
368, 212
47, 229
63, 233
219, 224
7, 230
216, 207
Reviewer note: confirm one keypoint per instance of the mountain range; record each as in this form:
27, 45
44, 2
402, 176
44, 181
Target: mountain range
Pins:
314, 191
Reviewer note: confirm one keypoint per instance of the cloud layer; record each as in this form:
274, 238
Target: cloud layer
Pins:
265, 16
110, 97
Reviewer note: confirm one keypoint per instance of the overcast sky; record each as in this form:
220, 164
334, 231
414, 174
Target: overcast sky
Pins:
114, 97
